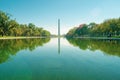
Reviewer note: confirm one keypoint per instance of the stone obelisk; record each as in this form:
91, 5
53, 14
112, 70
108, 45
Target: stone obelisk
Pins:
58, 27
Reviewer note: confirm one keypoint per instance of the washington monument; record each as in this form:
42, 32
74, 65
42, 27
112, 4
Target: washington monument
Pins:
58, 27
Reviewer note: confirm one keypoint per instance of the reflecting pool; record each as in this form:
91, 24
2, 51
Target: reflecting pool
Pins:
59, 59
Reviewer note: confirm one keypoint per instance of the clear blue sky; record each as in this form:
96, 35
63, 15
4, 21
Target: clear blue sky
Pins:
44, 13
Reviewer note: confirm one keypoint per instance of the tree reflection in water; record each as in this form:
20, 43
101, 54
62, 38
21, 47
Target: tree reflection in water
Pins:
11, 47
110, 47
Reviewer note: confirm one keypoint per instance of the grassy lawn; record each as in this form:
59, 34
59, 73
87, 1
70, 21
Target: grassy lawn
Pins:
18, 37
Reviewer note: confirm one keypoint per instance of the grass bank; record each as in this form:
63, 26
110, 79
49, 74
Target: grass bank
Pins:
104, 38
19, 37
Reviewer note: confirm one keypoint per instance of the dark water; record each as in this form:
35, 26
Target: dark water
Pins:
59, 59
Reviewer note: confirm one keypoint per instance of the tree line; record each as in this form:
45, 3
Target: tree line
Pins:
109, 28
10, 27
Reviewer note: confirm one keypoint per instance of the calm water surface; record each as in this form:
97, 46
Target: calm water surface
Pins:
59, 59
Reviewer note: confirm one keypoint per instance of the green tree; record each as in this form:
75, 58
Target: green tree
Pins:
109, 28
9, 27
4, 21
